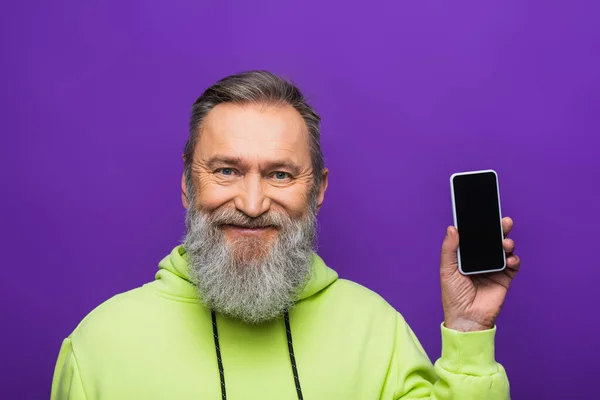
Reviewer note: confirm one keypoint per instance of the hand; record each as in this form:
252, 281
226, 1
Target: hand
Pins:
473, 302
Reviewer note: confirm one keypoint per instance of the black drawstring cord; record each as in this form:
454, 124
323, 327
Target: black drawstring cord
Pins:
288, 331
219, 360
286, 316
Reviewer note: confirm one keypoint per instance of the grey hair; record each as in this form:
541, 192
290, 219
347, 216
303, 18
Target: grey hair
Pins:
261, 88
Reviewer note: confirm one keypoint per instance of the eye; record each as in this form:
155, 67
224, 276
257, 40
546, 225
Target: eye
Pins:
226, 171
279, 175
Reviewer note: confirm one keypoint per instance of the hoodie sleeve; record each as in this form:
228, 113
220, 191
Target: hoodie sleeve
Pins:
466, 370
66, 383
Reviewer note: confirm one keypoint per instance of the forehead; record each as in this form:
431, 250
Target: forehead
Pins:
254, 131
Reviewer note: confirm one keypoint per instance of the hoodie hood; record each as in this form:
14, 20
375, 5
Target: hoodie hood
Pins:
172, 278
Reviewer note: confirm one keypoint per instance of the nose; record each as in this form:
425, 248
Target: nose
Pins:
251, 199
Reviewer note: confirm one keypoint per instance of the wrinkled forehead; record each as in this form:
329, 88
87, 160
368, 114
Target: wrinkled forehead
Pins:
254, 132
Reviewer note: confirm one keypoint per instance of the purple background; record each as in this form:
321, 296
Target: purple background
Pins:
95, 102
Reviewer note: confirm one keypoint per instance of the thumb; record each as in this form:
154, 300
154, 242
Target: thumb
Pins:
449, 257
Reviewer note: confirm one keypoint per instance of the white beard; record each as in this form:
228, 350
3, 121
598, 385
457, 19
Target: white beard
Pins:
248, 279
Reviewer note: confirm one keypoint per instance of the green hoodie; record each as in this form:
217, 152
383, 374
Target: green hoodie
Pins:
156, 342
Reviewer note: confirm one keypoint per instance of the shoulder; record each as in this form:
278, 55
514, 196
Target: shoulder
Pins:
114, 314
357, 292
359, 300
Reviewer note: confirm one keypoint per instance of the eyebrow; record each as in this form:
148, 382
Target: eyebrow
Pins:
285, 165
217, 161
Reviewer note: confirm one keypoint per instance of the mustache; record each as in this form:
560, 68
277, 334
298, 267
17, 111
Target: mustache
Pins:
237, 218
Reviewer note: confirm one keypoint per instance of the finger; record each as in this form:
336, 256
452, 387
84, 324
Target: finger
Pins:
507, 225
449, 256
513, 262
509, 246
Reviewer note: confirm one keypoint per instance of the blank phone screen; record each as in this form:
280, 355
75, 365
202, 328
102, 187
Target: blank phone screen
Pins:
478, 222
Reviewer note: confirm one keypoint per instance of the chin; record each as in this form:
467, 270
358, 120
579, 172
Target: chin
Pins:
250, 250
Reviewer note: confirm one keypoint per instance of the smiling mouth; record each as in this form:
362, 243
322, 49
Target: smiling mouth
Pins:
247, 229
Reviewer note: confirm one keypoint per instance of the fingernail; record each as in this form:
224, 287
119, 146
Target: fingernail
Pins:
448, 231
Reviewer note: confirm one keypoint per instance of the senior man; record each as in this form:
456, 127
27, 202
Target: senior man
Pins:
245, 309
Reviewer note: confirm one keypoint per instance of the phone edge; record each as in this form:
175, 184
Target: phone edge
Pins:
456, 223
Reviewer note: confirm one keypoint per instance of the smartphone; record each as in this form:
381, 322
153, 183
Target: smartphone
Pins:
478, 219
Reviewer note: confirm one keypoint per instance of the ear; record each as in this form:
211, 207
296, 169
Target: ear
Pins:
322, 188
184, 194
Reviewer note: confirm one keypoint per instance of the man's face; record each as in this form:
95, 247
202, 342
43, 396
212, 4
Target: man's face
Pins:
251, 216
256, 160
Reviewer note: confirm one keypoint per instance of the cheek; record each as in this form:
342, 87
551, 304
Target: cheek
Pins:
293, 199
210, 196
